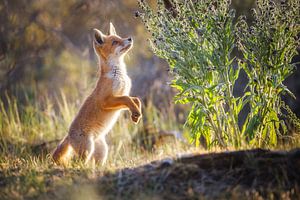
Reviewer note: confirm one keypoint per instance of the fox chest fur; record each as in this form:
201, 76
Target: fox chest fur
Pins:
120, 82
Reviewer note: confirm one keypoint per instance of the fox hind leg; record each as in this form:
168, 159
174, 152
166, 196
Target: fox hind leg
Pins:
101, 151
63, 152
84, 147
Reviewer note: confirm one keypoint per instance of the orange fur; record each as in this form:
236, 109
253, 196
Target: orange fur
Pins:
99, 112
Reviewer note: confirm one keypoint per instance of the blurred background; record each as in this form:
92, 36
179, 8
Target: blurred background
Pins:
46, 51
46, 46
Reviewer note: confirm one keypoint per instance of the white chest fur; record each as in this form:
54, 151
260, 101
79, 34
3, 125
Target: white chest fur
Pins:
121, 83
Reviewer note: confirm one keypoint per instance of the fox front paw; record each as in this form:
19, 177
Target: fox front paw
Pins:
136, 116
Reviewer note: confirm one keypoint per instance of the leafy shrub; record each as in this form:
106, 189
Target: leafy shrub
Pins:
268, 46
198, 38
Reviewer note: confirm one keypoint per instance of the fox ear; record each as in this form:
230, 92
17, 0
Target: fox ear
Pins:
98, 36
112, 30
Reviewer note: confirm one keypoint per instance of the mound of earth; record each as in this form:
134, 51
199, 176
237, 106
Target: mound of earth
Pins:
248, 174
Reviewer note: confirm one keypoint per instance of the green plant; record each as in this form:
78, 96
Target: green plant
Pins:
197, 39
268, 47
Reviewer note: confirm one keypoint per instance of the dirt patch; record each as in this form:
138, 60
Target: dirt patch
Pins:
249, 174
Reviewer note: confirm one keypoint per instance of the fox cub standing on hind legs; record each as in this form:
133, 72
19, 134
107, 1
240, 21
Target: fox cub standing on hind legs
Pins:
99, 112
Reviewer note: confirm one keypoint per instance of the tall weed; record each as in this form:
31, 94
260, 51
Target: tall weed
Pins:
198, 39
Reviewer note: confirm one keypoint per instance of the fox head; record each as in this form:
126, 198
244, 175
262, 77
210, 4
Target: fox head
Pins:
111, 46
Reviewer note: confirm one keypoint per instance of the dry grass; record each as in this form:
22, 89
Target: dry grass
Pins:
27, 172
252, 174
29, 133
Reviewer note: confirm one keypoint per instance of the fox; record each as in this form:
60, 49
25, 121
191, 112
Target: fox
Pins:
101, 109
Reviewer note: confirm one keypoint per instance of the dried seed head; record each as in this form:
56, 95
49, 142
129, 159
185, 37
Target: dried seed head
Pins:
136, 14
232, 13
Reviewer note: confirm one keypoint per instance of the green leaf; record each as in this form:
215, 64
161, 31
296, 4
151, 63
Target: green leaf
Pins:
272, 135
284, 88
252, 126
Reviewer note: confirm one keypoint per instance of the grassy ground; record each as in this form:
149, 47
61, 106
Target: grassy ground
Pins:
29, 133
253, 174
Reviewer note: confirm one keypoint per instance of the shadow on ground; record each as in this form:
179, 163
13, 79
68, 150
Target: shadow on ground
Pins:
249, 174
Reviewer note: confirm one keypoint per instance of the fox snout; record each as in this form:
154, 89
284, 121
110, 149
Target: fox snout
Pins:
128, 43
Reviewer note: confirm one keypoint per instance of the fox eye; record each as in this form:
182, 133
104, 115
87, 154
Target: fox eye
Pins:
114, 42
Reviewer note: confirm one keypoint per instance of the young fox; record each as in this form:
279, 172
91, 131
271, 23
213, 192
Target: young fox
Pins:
99, 112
